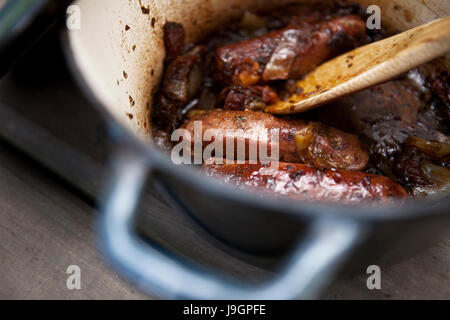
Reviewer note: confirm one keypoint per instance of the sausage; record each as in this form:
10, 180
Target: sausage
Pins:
174, 39
180, 84
183, 76
299, 141
288, 53
304, 182
237, 97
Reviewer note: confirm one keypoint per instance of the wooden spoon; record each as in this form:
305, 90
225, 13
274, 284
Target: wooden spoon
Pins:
367, 66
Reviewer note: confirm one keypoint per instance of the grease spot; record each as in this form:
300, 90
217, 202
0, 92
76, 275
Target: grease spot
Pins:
409, 16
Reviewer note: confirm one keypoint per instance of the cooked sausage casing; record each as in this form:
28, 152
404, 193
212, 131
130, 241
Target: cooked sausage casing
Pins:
304, 182
288, 53
323, 147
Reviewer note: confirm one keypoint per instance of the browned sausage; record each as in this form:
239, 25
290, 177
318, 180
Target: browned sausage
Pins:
237, 97
178, 83
181, 83
174, 39
303, 182
299, 141
288, 53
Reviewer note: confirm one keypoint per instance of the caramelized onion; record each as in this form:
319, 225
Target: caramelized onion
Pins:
328, 147
256, 105
191, 114
195, 80
252, 22
439, 176
283, 57
303, 139
436, 174
434, 149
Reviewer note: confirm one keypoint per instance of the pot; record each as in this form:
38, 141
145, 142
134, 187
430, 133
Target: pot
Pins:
117, 55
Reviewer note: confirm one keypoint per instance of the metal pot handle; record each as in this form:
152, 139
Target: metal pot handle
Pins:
310, 268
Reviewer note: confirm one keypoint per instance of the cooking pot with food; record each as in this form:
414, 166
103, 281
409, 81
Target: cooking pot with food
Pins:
119, 57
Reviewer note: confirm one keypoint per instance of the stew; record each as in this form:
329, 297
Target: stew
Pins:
380, 145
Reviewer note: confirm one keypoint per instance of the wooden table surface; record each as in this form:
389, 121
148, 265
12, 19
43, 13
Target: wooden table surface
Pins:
45, 227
